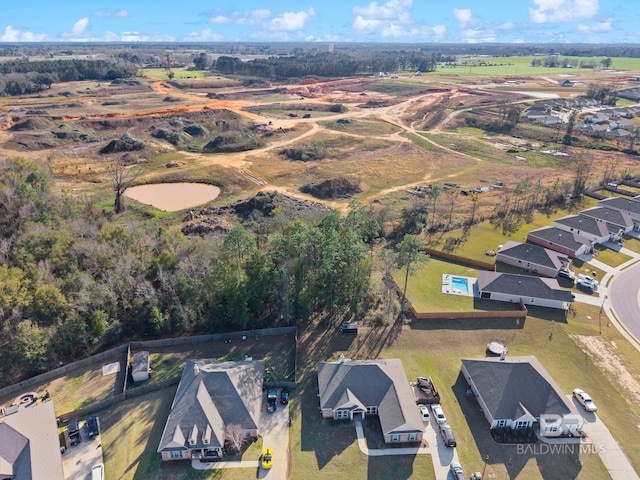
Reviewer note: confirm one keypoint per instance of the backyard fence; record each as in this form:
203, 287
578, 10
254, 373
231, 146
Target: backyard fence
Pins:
26, 385
30, 383
469, 262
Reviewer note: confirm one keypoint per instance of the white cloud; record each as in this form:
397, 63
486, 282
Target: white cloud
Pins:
80, 27
241, 18
604, 26
393, 9
393, 20
15, 34
463, 15
290, 21
116, 14
133, 37
506, 26
556, 11
206, 35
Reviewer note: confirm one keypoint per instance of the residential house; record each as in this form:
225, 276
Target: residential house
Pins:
549, 120
352, 389
566, 83
616, 221
597, 118
628, 206
214, 401
140, 366
29, 444
532, 258
530, 290
586, 227
617, 134
517, 393
567, 243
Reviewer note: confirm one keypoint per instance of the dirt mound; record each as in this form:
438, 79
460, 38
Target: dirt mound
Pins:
126, 143
196, 130
208, 226
238, 141
257, 210
32, 124
338, 187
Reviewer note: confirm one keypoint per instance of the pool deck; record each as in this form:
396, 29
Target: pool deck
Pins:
447, 287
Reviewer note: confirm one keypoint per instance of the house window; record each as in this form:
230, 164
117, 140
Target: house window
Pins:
501, 423
413, 437
521, 424
175, 454
395, 437
342, 414
372, 410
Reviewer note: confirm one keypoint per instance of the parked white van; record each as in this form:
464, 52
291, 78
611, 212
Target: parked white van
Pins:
97, 472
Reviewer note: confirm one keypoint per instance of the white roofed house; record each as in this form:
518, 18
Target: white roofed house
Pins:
353, 389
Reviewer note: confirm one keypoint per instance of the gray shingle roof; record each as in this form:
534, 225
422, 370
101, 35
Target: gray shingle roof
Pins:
522, 286
515, 386
609, 215
560, 237
212, 395
371, 383
584, 224
29, 444
619, 203
533, 254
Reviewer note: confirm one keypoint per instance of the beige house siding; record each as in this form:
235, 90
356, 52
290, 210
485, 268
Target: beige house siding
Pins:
166, 455
402, 437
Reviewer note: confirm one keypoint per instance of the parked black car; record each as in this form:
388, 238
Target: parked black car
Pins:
272, 398
74, 432
93, 427
284, 396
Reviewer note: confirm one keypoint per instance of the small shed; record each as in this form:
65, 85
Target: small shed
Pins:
140, 366
350, 327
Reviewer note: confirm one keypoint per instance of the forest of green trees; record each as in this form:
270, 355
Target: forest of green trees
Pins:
18, 77
74, 279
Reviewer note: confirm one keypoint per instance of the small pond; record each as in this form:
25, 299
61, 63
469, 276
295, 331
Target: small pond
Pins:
172, 197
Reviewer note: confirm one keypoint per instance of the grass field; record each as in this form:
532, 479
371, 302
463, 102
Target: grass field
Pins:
521, 66
178, 73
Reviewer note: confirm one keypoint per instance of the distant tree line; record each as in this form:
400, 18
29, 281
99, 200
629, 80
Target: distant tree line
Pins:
74, 279
554, 61
18, 77
325, 64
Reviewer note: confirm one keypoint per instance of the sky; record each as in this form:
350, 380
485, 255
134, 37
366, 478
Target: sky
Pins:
391, 21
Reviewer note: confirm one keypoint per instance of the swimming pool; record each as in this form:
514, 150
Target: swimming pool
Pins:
459, 285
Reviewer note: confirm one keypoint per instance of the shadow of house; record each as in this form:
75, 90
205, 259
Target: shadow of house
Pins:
561, 463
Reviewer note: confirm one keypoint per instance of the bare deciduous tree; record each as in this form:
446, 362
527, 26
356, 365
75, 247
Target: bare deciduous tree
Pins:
234, 437
122, 178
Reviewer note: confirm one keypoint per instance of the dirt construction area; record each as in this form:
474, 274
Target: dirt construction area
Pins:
382, 137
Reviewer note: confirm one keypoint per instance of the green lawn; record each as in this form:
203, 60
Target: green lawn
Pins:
178, 73
611, 257
522, 66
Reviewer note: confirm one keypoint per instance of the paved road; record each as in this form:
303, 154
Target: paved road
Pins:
624, 294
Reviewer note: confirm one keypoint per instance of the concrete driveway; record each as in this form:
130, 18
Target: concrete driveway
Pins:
606, 446
78, 460
441, 455
274, 428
